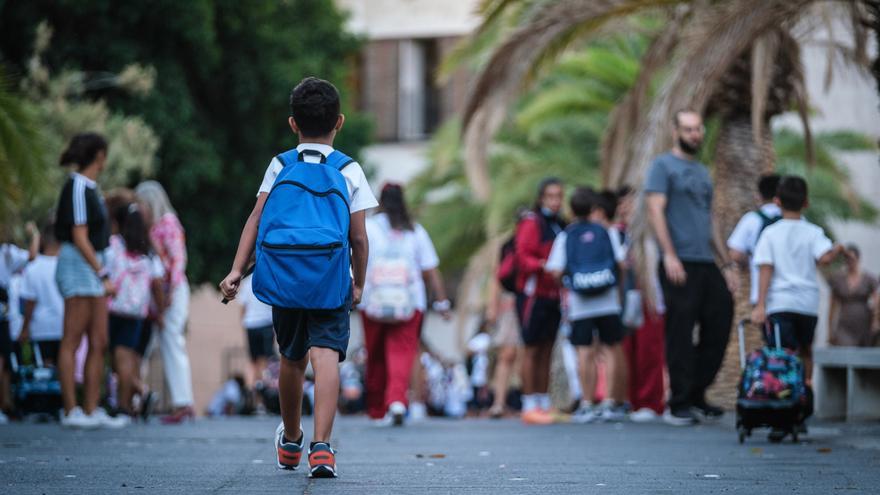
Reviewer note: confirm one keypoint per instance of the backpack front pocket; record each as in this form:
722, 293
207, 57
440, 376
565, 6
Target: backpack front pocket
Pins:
300, 269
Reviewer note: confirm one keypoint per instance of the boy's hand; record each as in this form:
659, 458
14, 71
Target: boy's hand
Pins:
356, 295
759, 314
229, 285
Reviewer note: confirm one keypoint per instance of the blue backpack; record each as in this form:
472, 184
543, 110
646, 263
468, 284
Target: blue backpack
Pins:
302, 248
590, 267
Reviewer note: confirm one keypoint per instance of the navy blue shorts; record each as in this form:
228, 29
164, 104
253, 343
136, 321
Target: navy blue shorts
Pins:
539, 319
609, 329
796, 330
298, 330
261, 342
125, 331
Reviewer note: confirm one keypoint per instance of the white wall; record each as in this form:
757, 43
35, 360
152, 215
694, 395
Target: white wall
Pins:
395, 19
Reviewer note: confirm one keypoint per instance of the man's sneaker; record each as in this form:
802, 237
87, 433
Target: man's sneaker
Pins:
287, 454
397, 411
4, 419
113, 422
643, 415
322, 461
585, 414
76, 418
707, 412
537, 417
679, 417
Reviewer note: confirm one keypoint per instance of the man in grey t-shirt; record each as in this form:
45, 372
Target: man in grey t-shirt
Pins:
679, 198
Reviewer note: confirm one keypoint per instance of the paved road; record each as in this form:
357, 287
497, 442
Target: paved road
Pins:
473, 456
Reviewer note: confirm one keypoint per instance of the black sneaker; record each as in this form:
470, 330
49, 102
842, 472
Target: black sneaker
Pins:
322, 461
707, 412
679, 417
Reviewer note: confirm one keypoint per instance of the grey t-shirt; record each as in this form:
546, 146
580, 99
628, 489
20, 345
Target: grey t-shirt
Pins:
688, 190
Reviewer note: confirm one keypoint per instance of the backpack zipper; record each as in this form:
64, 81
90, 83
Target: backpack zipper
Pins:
302, 247
312, 191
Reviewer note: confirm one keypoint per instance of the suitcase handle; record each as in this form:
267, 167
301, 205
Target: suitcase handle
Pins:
740, 328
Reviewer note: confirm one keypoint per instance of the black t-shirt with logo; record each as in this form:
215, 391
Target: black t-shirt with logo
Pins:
81, 203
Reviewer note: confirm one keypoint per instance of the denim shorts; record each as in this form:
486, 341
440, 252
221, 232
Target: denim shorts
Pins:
74, 275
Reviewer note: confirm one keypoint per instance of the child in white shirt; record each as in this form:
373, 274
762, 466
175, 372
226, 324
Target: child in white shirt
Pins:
788, 290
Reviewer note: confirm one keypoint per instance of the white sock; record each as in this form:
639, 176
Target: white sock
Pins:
544, 401
529, 402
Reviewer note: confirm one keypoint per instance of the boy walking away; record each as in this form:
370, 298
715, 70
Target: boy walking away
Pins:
788, 290
589, 261
43, 304
744, 238
308, 227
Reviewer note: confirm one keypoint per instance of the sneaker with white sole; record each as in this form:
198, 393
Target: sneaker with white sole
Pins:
614, 413
644, 415
112, 422
585, 414
418, 411
76, 418
680, 417
287, 454
322, 461
397, 411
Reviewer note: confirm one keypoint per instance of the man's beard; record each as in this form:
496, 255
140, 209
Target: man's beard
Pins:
688, 147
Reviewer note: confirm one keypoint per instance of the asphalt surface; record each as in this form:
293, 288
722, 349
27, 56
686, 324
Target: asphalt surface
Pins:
439, 456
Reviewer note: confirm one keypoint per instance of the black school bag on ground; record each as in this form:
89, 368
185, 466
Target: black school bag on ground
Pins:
590, 266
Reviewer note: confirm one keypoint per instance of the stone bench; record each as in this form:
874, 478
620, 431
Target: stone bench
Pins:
847, 383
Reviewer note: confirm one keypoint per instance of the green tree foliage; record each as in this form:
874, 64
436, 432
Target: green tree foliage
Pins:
21, 155
61, 108
224, 70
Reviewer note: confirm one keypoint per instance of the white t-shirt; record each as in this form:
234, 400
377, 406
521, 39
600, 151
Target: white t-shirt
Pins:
792, 248
416, 245
360, 196
744, 238
581, 307
38, 285
257, 314
12, 259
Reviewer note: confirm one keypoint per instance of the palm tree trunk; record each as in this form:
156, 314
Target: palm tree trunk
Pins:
739, 164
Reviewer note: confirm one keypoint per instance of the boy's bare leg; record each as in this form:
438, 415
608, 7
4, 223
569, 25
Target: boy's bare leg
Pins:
325, 363
617, 373
545, 357
290, 396
503, 371
587, 371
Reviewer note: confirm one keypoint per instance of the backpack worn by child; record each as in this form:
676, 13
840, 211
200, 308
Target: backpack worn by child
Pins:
302, 248
506, 273
590, 266
131, 275
389, 299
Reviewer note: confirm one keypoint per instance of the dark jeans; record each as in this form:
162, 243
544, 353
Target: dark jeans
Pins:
704, 300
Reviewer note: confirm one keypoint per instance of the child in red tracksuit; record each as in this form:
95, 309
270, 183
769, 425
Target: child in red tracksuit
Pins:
537, 298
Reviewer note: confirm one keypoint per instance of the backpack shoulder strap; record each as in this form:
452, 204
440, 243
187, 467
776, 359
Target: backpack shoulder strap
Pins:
339, 160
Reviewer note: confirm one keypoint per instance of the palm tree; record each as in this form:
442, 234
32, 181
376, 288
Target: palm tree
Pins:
737, 61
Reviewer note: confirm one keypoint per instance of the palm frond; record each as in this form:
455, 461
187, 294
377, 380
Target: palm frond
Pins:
617, 138
540, 38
